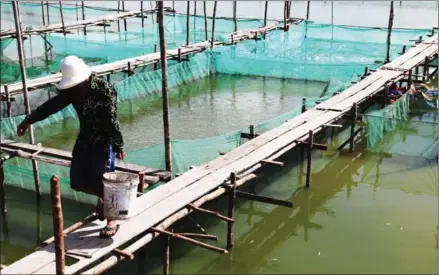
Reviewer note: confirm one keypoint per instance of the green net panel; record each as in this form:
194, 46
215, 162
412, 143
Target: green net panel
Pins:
314, 52
417, 133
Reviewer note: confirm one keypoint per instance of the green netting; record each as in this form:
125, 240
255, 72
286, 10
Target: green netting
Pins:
335, 55
416, 133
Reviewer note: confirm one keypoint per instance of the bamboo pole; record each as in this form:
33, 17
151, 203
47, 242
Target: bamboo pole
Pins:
118, 11
232, 201
124, 21
309, 155
62, 18
25, 91
187, 22
213, 23
143, 16
167, 134
353, 120
47, 9
307, 10
234, 17
166, 254
57, 225
2, 190
205, 20
265, 17
83, 16
389, 32
43, 16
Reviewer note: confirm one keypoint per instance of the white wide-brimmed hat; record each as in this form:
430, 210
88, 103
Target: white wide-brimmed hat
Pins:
74, 71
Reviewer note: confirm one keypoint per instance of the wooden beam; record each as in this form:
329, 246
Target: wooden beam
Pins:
164, 67
201, 236
316, 146
309, 158
25, 90
353, 121
177, 236
213, 23
389, 32
210, 212
2, 190
254, 197
123, 253
57, 225
267, 161
231, 213
166, 256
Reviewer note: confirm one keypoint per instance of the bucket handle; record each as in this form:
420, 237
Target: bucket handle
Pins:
126, 166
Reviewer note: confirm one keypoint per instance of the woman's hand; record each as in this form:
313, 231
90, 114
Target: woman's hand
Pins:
121, 155
22, 128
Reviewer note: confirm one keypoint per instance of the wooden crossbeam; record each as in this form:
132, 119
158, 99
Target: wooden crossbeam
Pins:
216, 214
267, 161
268, 200
181, 237
349, 139
318, 146
201, 236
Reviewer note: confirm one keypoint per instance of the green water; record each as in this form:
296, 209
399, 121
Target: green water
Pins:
364, 213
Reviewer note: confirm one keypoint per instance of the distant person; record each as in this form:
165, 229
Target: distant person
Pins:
99, 140
394, 93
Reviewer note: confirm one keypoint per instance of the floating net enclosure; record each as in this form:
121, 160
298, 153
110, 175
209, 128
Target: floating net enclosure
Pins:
332, 54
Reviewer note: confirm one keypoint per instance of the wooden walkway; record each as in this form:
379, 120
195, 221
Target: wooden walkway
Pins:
164, 201
69, 26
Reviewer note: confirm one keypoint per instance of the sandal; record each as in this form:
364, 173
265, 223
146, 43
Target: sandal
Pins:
106, 229
100, 210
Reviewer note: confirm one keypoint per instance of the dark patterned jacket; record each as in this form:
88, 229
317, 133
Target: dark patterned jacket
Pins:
97, 112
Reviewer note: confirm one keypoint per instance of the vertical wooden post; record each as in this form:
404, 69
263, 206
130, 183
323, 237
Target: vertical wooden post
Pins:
8, 101
62, 18
77, 11
57, 225
409, 80
47, 9
235, 29
83, 16
307, 10
285, 15
303, 104
353, 120
179, 55
195, 9
140, 187
187, 22
118, 11
25, 91
252, 131
309, 154
366, 71
205, 20
124, 20
265, 17
167, 252
404, 49
43, 16
143, 15
2, 190
167, 134
108, 77
231, 214
389, 32
425, 71
156, 63
332, 12
213, 24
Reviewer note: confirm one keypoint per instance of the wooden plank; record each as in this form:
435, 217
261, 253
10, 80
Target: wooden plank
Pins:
327, 104
420, 58
367, 92
397, 62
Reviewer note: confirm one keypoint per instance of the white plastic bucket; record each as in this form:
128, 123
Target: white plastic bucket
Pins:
120, 193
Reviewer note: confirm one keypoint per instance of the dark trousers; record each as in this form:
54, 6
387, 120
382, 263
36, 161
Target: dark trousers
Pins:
88, 167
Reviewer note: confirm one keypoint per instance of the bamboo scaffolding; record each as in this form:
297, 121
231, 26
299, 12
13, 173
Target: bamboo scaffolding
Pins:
114, 260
